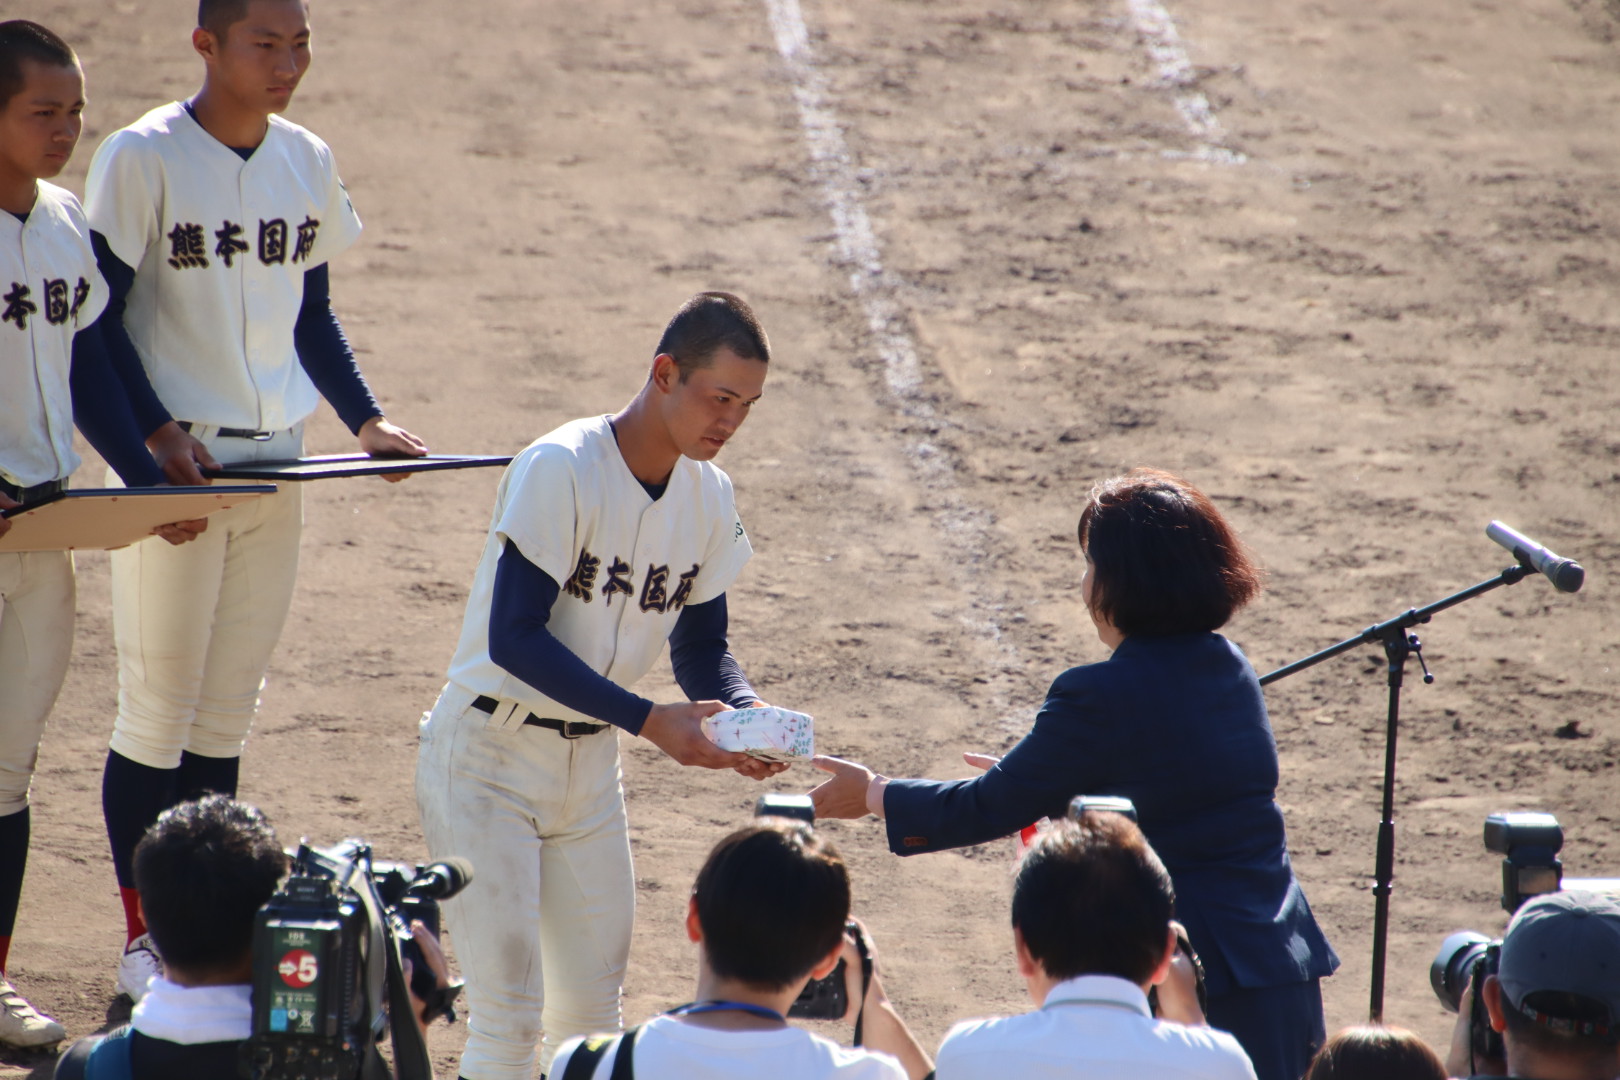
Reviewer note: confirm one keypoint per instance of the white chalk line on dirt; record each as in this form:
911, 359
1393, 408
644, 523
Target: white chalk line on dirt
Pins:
1164, 47
967, 528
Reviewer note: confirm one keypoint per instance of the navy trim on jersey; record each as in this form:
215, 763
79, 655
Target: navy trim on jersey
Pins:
243, 152
101, 409
126, 362
323, 350
521, 642
701, 656
327, 357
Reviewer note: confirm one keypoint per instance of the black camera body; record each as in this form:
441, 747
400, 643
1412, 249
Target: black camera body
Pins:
1529, 844
311, 945
1465, 956
328, 955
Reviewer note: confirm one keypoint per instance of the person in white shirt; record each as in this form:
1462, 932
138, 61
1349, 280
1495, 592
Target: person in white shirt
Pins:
1092, 931
768, 914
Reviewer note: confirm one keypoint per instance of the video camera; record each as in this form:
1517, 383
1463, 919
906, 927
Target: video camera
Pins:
328, 966
1529, 844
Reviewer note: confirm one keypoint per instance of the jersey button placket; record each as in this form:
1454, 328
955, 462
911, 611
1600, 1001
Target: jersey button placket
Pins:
255, 313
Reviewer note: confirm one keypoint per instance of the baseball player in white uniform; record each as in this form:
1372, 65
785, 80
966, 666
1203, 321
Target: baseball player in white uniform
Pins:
53, 370
214, 219
610, 536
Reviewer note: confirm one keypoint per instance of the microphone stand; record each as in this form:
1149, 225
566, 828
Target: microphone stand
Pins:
1398, 644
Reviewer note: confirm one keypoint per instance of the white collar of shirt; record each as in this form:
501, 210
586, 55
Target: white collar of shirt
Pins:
1106, 990
194, 1014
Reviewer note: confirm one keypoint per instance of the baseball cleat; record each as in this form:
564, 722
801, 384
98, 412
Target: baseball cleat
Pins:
21, 1024
138, 966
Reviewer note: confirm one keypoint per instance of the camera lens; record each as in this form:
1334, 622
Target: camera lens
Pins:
1448, 974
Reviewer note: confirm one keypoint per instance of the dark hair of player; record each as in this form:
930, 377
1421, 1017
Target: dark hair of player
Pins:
708, 322
772, 900
23, 40
1164, 560
1092, 898
202, 871
1375, 1052
218, 16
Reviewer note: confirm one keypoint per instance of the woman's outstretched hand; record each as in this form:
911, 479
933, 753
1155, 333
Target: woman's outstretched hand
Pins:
845, 795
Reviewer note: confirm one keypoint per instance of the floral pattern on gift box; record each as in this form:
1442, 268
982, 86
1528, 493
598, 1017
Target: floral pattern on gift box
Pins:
768, 733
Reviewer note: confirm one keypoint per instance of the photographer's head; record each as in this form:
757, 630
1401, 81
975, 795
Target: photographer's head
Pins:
203, 871
770, 905
1556, 994
1092, 898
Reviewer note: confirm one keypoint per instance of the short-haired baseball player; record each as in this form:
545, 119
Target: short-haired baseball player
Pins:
214, 220
53, 372
610, 536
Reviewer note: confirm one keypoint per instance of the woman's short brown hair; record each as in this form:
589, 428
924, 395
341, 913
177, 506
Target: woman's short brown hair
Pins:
1375, 1052
1164, 560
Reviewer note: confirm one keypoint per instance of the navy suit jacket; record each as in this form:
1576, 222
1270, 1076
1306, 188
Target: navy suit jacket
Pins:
1176, 724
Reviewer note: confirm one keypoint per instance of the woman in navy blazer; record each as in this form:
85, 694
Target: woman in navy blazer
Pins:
1173, 720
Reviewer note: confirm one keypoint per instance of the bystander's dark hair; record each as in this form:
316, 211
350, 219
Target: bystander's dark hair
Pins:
203, 871
1092, 898
772, 900
1164, 560
708, 322
23, 40
1375, 1052
1570, 1025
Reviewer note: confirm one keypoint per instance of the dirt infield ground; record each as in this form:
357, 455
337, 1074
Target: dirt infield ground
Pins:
1368, 301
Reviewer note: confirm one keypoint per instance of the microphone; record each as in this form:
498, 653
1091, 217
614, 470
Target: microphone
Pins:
1565, 574
442, 880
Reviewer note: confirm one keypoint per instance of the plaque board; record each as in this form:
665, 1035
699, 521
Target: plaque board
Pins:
332, 466
90, 519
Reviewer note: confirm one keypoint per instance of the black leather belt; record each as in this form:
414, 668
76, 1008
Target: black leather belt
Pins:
233, 432
27, 495
568, 729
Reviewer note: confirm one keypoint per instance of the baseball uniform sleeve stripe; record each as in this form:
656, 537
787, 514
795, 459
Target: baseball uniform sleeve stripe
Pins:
102, 412
521, 642
126, 362
328, 360
699, 653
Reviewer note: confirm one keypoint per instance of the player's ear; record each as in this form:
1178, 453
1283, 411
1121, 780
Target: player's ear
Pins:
206, 44
665, 372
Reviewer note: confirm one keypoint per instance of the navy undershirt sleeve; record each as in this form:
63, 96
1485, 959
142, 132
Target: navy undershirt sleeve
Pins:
328, 359
522, 643
126, 362
703, 663
102, 411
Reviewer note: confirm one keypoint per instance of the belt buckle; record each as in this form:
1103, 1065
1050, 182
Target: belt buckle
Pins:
262, 436
568, 731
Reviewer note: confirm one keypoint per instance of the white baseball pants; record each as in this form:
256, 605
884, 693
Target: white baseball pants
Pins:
195, 624
36, 639
543, 932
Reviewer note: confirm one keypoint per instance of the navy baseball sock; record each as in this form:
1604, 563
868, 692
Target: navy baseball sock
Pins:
14, 829
132, 797
200, 776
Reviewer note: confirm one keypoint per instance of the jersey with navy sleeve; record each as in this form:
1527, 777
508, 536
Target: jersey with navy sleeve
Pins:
628, 564
220, 246
49, 291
